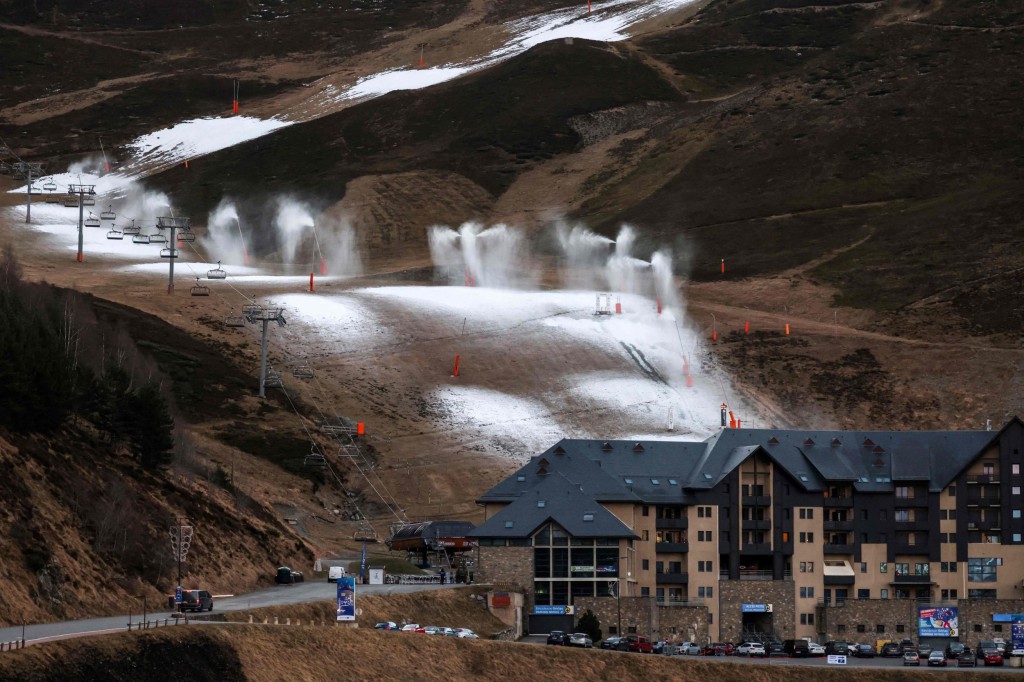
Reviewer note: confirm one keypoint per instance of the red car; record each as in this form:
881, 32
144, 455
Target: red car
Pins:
636, 644
719, 649
993, 657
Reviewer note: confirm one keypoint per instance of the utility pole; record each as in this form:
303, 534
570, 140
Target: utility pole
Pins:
256, 313
81, 191
27, 170
181, 540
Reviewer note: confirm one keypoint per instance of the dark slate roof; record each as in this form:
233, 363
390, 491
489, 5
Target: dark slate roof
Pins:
872, 461
563, 503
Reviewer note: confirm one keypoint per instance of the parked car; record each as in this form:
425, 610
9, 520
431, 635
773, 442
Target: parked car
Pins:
386, 625
838, 647
891, 650
607, 643
719, 649
815, 649
967, 659
447, 632
466, 633
411, 627
196, 600
335, 573
906, 645
954, 649
635, 643
924, 650
937, 658
556, 637
911, 658
796, 647
775, 649
751, 649
581, 639
693, 650
286, 576
992, 657
865, 651
428, 629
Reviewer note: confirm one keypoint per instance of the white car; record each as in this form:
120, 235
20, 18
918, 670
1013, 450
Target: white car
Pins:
411, 627
580, 639
466, 633
815, 649
751, 649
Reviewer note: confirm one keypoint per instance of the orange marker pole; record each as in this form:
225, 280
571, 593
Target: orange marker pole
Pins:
186, 164
421, 56
689, 381
455, 370
714, 335
723, 266
311, 282
588, 6
659, 306
746, 327
323, 267
787, 329
360, 429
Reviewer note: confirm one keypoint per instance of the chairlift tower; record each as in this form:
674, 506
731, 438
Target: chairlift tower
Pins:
82, 191
254, 314
27, 170
172, 224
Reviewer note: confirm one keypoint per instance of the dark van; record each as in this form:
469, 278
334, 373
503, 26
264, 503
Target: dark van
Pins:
796, 648
196, 600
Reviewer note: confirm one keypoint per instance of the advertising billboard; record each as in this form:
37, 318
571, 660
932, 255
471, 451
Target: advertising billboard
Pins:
346, 599
938, 621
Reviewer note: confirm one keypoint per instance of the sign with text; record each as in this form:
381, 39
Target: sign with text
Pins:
836, 660
1017, 628
346, 599
553, 610
938, 621
757, 608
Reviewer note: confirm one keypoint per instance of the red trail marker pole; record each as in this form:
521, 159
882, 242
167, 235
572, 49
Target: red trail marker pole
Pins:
311, 283
455, 370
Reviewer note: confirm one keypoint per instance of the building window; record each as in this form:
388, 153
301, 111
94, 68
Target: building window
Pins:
981, 594
631, 629
863, 594
647, 564
803, 593
952, 514
810, 567
977, 627
952, 491
1016, 537
711, 619
1015, 470
883, 567
700, 592
880, 629
901, 516
803, 513
997, 627
861, 627
883, 594
899, 627
1015, 490
803, 566
710, 592
982, 570
645, 592
645, 510
863, 567
903, 491
841, 627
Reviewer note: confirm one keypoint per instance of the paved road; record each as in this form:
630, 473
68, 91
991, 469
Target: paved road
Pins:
272, 596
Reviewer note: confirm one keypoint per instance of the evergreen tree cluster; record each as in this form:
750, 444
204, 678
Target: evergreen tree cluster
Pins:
47, 377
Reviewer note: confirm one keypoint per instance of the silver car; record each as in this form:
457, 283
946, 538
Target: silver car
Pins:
580, 639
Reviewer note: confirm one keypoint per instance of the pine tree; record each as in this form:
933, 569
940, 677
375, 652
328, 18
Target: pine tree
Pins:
152, 428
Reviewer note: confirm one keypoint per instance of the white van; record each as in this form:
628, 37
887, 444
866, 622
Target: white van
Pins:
335, 573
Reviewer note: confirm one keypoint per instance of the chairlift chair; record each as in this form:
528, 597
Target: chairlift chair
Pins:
187, 236
200, 289
365, 534
71, 201
315, 458
50, 186
216, 273
131, 229
303, 371
234, 322
52, 199
157, 238
92, 221
115, 234
108, 214
140, 239
167, 253
88, 200
273, 379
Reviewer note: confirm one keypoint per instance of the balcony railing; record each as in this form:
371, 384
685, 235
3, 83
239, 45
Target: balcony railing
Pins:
756, 524
920, 600
983, 479
838, 548
976, 500
917, 549
839, 501
672, 578
757, 500
913, 579
839, 525
680, 601
755, 548
671, 547
671, 524
749, 574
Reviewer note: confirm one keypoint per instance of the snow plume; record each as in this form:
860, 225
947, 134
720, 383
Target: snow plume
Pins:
626, 273
495, 256
294, 225
135, 202
94, 164
664, 282
340, 245
585, 253
224, 240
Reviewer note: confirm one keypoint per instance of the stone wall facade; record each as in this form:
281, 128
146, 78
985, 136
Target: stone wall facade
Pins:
976, 619
508, 566
781, 594
868, 620
643, 616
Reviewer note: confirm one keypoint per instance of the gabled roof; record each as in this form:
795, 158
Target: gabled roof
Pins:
554, 499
